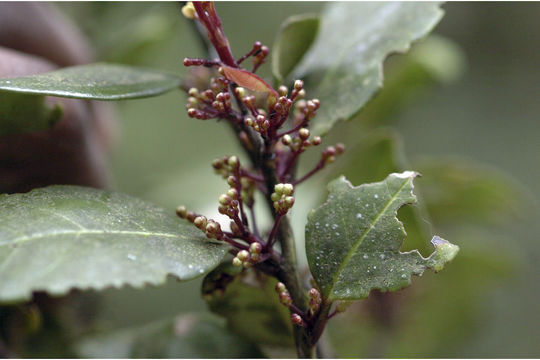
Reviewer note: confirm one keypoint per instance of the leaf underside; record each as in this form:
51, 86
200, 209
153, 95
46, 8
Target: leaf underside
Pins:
343, 68
20, 113
100, 81
61, 237
353, 241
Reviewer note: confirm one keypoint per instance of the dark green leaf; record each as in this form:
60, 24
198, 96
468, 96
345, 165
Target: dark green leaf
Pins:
343, 68
248, 296
25, 113
295, 37
378, 154
99, 81
62, 237
353, 241
187, 336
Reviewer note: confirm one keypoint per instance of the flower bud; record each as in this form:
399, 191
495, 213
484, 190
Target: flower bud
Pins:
237, 262
188, 10
298, 85
282, 90
280, 287
316, 140
288, 189
200, 222
286, 139
340, 148
232, 193
240, 92
224, 199
303, 133
297, 320
181, 211
255, 248
243, 255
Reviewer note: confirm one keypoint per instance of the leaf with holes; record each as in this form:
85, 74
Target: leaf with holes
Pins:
343, 68
99, 81
62, 237
353, 240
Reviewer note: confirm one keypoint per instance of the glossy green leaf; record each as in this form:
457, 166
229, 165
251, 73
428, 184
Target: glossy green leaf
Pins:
188, 336
99, 81
247, 295
343, 68
61, 237
21, 113
378, 154
295, 37
353, 241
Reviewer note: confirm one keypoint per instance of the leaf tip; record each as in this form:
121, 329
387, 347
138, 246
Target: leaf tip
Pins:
445, 252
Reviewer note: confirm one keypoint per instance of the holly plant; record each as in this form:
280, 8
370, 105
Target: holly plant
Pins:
58, 238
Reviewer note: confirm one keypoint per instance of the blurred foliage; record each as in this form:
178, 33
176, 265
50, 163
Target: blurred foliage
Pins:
186, 336
484, 305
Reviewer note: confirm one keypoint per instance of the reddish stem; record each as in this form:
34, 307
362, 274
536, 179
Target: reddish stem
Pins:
211, 21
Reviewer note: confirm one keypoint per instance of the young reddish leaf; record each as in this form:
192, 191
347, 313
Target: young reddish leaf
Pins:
248, 80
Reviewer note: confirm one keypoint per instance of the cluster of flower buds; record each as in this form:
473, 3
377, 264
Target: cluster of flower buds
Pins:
282, 198
314, 300
228, 203
260, 123
301, 141
207, 104
226, 166
329, 154
246, 258
284, 296
211, 228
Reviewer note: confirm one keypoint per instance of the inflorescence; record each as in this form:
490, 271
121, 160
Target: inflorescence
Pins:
254, 109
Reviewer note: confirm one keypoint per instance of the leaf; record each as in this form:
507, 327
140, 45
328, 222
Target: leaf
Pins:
353, 240
378, 154
250, 304
62, 237
295, 37
187, 336
99, 81
343, 68
21, 113
248, 80
459, 190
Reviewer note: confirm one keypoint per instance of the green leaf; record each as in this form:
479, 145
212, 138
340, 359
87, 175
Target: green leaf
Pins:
21, 113
376, 155
459, 190
248, 296
353, 241
343, 68
187, 336
99, 81
62, 237
295, 37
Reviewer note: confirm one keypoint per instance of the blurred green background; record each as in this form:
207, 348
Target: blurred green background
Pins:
481, 106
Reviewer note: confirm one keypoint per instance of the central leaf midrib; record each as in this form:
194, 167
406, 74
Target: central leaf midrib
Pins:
362, 237
22, 239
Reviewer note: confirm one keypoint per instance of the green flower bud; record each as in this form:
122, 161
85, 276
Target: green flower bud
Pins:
236, 262
243, 255
255, 248
303, 133
288, 189
224, 199
280, 287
